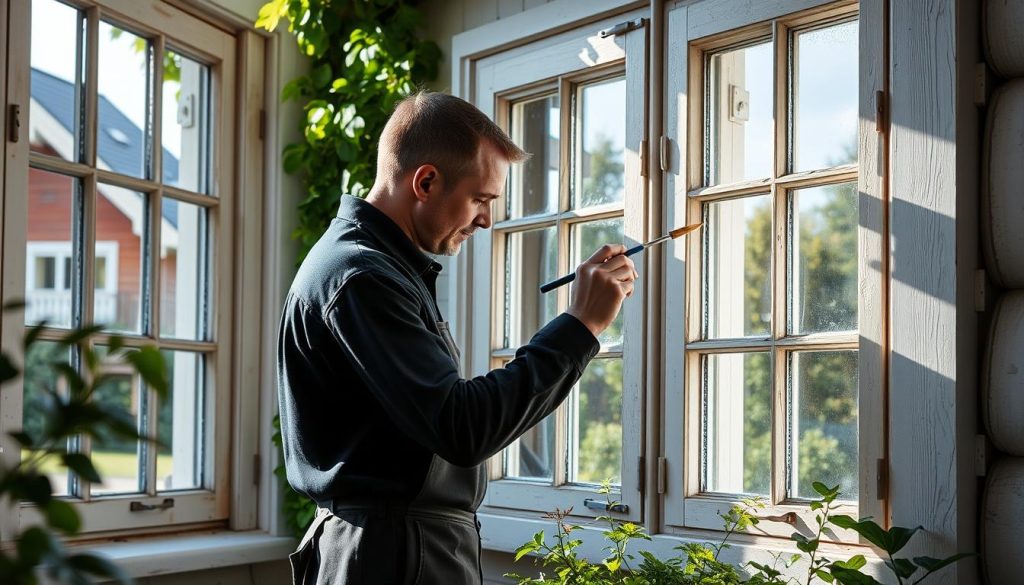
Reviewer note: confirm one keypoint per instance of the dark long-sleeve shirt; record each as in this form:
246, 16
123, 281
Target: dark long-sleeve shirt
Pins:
369, 390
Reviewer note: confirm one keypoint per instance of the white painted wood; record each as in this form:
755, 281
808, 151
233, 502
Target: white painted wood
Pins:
528, 4
674, 379
507, 8
528, 26
1003, 186
1004, 45
249, 247
715, 16
1003, 376
156, 16
872, 260
924, 370
1002, 551
12, 284
479, 12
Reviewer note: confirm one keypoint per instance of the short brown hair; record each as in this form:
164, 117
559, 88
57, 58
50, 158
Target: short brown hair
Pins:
441, 130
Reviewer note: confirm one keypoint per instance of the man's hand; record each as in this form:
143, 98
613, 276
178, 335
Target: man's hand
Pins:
603, 281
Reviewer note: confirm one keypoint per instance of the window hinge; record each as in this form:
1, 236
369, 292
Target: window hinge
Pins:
257, 468
663, 152
263, 124
662, 474
643, 158
622, 28
882, 487
14, 122
640, 474
881, 111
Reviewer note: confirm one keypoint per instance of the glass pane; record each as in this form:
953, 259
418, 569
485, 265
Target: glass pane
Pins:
530, 260
737, 422
532, 456
180, 422
184, 280
824, 115
117, 458
121, 239
738, 292
824, 396
51, 209
54, 112
535, 128
41, 382
185, 125
598, 424
739, 109
823, 259
599, 159
586, 239
124, 73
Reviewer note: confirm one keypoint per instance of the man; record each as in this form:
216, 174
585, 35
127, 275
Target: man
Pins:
378, 427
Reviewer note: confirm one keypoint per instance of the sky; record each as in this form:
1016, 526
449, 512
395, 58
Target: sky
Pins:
121, 73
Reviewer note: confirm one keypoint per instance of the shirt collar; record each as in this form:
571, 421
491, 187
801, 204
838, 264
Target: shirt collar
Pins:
386, 231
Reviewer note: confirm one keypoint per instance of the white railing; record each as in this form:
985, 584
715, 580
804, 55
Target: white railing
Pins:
55, 307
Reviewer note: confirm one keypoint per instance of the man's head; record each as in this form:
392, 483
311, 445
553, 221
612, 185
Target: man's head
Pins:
440, 163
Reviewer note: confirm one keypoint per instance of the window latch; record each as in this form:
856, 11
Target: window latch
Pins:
622, 28
592, 504
788, 518
141, 507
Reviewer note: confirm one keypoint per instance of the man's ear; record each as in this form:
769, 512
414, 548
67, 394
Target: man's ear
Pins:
426, 181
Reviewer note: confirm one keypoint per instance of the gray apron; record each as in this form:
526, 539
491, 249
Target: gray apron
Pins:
434, 539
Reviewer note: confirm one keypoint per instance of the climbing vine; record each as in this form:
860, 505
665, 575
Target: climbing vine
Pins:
365, 56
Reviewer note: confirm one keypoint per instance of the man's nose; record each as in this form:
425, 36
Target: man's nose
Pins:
483, 220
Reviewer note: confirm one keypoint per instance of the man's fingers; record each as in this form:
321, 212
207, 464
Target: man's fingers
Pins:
605, 252
623, 273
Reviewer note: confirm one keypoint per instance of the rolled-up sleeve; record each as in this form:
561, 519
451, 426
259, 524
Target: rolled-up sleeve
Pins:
379, 323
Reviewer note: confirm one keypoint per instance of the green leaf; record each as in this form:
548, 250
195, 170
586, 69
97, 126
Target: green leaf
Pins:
851, 577
62, 516
271, 13
100, 566
82, 465
30, 486
872, 532
33, 545
8, 371
824, 575
902, 567
854, 563
23, 439
899, 537
75, 382
80, 334
321, 76
151, 366
13, 305
33, 334
931, 564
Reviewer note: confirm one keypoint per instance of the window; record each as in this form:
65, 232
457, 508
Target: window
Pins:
771, 395
129, 167
583, 122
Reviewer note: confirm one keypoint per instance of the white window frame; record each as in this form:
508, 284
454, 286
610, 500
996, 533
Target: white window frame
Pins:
61, 251
563, 60
236, 63
703, 27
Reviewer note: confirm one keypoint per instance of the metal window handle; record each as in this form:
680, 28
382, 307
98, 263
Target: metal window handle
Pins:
603, 506
140, 507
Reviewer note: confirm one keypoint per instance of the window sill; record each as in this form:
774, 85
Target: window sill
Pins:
504, 533
161, 555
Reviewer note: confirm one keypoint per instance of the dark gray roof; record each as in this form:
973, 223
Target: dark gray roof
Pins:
54, 94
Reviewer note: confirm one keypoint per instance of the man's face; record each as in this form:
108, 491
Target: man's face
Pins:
464, 207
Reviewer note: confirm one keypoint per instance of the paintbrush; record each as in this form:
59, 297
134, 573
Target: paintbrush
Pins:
670, 236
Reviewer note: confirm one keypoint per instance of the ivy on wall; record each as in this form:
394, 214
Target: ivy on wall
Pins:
365, 56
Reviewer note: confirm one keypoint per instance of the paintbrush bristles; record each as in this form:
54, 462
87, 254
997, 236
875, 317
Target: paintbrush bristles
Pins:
684, 230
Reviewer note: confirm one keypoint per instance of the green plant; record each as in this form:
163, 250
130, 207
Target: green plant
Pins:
699, 564
66, 408
365, 56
